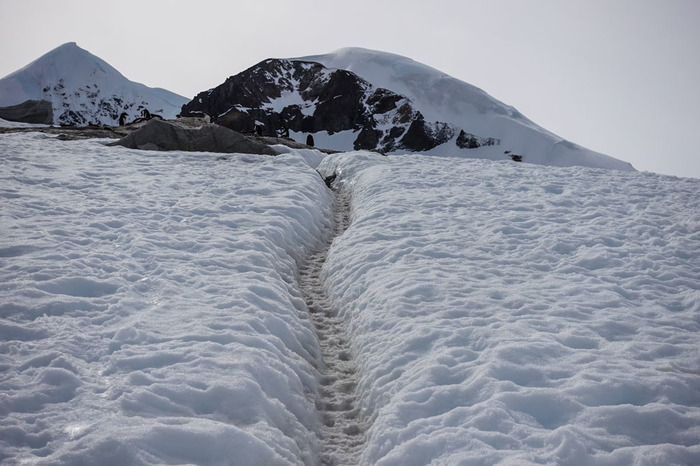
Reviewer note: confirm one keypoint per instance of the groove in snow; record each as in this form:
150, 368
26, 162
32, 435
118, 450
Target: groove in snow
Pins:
343, 429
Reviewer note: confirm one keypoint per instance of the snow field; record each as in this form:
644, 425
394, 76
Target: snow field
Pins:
505, 313
150, 311
497, 313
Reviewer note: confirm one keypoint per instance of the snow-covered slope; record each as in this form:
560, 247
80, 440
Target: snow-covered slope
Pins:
520, 314
84, 89
151, 309
149, 312
440, 97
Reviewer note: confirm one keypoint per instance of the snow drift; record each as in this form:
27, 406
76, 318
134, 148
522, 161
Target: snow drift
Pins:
150, 311
498, 313
513, 314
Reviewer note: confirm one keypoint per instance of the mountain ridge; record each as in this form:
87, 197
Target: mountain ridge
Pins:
350, 99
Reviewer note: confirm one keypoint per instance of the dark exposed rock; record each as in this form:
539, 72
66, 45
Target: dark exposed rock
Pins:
367, 139
323, 100
421, 136
469, 141
329, 179
514, 157
417, 137
383, 100
237, 121
29, 111
166, 135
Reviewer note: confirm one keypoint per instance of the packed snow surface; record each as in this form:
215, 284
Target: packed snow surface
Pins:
149, 309
18, 124
497, 313
505, 313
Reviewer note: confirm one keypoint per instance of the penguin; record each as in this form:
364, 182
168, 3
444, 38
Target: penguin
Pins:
122, 119
310, 140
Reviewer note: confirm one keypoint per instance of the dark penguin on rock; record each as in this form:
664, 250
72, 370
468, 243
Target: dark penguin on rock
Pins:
310, 140
122, 119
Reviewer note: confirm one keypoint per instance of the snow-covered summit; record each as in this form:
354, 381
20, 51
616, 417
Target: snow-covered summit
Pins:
84, 89
440, 97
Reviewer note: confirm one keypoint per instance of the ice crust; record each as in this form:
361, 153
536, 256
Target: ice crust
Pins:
512, 314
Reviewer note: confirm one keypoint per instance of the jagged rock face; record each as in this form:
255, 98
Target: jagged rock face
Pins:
306, 97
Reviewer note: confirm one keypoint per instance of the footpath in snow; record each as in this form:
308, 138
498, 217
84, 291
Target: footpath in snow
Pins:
507, 313
343, 438
177, 308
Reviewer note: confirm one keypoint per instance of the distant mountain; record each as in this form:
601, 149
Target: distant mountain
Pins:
306, 97
83, 89
363, 99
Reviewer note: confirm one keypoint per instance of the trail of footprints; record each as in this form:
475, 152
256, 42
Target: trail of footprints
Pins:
343, 428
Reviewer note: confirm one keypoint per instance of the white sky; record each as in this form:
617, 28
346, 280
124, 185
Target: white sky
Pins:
620, 77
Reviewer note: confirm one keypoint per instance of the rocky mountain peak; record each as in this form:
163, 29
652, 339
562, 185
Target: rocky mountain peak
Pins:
81, 88
298, 96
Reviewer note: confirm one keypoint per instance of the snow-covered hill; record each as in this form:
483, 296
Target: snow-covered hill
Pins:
84, 89
440, 97
152, 310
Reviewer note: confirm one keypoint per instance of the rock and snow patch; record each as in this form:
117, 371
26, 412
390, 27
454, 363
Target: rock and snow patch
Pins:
305, 97
439, 97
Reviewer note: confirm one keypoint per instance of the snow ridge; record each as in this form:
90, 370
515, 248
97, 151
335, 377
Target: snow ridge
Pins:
343, 430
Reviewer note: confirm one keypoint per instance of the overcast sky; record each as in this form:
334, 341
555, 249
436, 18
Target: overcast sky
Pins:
620, 77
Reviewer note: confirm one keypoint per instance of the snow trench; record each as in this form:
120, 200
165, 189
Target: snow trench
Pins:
343, 430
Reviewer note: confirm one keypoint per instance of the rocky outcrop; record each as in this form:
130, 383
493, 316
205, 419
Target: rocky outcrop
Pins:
470, 141
306, 97
29, 111
167, 135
